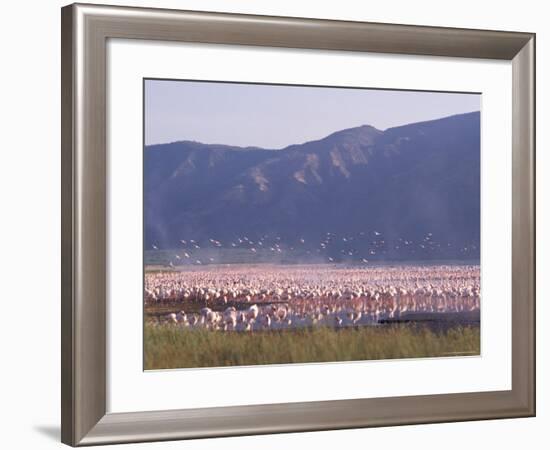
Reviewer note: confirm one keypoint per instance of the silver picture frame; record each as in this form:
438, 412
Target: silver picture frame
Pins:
85, 31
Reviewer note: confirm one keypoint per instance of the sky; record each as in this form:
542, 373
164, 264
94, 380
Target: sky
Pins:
274, 116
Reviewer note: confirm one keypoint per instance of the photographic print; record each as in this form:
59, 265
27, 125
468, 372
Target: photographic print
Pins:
299, 224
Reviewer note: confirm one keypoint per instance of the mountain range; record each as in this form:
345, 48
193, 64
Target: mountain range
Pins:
410, 192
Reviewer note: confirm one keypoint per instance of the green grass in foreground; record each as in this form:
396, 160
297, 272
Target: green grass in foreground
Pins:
169, 347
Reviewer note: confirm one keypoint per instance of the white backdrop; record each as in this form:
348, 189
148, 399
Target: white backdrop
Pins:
31, 210
130, 61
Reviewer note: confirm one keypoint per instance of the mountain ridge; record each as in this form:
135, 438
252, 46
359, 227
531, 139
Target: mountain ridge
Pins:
334, 133
405, 181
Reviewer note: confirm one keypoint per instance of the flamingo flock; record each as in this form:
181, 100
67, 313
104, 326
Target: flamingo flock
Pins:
359, 247
276, 297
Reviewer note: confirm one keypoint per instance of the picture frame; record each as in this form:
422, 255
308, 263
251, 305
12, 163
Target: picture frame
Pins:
85, 31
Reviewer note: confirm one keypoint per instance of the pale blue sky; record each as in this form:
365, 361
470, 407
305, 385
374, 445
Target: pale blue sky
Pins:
272, 116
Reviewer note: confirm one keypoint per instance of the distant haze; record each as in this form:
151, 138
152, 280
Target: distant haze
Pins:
273, 116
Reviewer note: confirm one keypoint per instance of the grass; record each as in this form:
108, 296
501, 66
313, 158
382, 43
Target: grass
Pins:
168, 347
